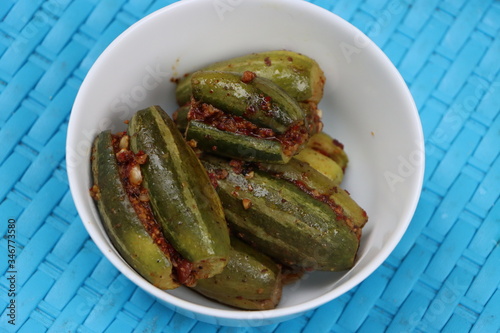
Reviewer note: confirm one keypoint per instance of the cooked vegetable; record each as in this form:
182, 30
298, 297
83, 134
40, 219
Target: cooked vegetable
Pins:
233, 108
300, 76
310, 180
234, 145
182, 197
284, 221
312, 113
246, 95
250, 281
244, 154
300, 172
321, 163
180, 117
328, 146
120, 220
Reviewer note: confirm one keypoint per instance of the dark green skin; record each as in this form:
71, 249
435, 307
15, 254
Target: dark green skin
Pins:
299, 171
123, 227
233, 145
182, 197
227, 92
181, 118
300, 76
250, 281
285, 222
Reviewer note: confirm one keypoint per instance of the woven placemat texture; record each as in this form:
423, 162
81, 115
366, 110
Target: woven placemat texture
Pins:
443, 276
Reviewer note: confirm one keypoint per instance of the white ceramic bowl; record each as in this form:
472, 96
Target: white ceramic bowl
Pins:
367, 106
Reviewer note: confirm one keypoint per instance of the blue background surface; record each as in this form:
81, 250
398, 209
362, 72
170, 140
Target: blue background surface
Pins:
443, 276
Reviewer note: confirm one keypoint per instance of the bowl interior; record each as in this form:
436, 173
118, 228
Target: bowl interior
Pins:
366, 106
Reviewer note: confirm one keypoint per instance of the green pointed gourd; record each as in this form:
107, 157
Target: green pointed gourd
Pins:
250, 280
254, 98
300, 76
120, 220
299, 229
182, 197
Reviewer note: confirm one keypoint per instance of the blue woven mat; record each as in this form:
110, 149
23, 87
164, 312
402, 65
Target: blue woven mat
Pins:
444, 275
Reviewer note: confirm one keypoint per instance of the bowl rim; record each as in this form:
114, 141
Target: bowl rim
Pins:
236, 314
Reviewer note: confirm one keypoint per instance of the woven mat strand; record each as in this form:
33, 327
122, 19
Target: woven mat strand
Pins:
443, 276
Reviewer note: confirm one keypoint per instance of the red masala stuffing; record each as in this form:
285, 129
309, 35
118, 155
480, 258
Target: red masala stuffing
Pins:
237, 166
338, 143
139, 198
248, 76
216, 175
95, 193
213, 179
291, 140
314, 123
242, 168
337, 209
210, 115
318, 148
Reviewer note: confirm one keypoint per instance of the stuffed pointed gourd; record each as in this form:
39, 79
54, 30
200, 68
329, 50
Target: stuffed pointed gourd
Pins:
279, 218
182, 197
256, 99
312, 114
300, 76
233, 145
232, 110
250, 280
322, 153
123, 226
310, 180
206, 137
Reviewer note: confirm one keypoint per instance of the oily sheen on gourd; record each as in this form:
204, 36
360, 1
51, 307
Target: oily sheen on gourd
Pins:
121, 222
298, 229
183, 200
250, 280
298, 75
287, 84
244, 116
